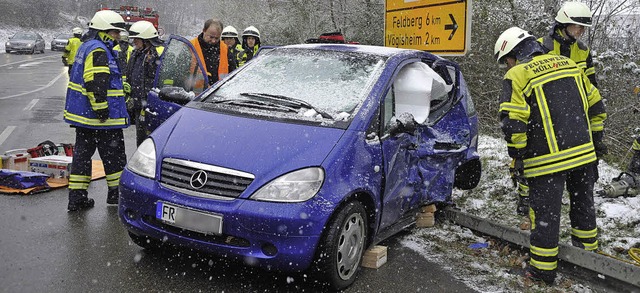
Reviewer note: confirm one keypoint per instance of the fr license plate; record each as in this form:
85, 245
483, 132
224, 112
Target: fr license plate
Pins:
189, 219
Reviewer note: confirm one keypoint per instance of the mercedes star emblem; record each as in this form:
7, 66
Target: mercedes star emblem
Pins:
198, 179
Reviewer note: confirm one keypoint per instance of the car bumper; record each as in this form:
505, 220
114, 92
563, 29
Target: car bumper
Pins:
279, 236
55, 47
20, 49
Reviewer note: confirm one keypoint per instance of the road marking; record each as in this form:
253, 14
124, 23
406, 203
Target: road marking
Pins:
35, 63
7, 131
30, 106
38, 89
28, 60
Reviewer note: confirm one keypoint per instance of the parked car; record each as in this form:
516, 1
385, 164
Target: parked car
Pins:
301, 159
29, 42
60, 41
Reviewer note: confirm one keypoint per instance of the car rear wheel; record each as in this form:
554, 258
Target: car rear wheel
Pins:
145, 242
342, 246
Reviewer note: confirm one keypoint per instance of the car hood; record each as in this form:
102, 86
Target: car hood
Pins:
263, 148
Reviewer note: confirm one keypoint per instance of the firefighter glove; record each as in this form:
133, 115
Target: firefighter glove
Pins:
598, 144
64, 61
126, 87
102, 114
516, 169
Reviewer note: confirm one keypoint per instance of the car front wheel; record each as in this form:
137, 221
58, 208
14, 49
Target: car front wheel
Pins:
341, 248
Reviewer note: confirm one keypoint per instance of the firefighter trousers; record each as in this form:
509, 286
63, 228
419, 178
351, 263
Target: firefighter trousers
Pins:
545, 198
110, 146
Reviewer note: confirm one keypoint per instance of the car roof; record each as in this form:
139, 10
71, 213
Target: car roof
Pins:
376, 50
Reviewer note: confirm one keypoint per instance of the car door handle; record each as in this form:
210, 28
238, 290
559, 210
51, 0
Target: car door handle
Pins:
412, 146
150, 112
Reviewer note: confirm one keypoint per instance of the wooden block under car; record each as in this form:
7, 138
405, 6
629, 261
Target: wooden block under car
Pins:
375, 257
428, 208
425, 220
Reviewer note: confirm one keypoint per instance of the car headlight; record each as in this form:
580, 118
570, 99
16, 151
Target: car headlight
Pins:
29, 45
7, 44
143, 161
296, 186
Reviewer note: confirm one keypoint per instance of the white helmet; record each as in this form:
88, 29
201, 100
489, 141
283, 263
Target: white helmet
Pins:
229, 32
76, 31
574, 12
251, 31
124, 36
508, 40
143, 30
105, 20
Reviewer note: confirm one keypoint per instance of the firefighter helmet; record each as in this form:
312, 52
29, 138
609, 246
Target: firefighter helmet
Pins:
573, 12
143, 30
508, 40
105, 20
124, 36
251, 31
229, 32
76, 31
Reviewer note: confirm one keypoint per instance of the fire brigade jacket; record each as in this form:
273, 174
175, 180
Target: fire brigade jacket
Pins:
71, 49
557, 43
548, 111
247, 54
83, 102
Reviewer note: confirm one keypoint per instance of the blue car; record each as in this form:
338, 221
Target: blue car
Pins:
301, 159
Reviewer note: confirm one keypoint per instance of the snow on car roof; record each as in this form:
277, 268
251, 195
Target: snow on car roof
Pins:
377, 50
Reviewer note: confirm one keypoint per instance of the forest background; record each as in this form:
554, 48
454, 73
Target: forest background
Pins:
613, 39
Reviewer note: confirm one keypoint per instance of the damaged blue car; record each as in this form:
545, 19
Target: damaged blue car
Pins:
303, 158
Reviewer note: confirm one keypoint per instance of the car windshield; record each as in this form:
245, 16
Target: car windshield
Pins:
302, 83
63, 36
24, 36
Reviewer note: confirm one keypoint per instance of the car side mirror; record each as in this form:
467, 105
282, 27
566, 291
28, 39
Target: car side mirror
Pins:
176, 95
405, 123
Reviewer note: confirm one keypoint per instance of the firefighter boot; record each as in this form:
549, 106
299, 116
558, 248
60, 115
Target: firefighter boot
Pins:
112, 196
78, 200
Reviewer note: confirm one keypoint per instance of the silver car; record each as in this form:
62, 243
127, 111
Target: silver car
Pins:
25, 42
60, 41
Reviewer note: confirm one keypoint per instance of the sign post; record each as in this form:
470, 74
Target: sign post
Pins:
442, 27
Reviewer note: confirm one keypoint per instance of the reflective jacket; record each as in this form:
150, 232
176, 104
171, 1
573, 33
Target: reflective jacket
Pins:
223, 63
123, 58
247, 54
141, 72
559, 44
81, 102
71, 49
548, 111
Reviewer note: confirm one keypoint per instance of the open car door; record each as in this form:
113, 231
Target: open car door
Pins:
179, 79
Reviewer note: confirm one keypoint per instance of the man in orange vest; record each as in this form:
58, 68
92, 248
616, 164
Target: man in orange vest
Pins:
209, 49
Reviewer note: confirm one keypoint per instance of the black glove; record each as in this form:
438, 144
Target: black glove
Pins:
102, 114
598, 144
64, 61
516, 168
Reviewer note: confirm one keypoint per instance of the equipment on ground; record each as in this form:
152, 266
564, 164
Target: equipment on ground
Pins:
626, 184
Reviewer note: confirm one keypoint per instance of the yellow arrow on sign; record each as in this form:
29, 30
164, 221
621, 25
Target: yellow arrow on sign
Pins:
438, 26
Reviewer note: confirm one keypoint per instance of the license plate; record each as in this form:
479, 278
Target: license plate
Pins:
189, 219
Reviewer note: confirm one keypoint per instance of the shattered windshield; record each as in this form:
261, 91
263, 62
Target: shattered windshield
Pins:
307, 83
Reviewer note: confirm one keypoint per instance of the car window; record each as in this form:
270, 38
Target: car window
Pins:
335, 82
179, 68
24, 36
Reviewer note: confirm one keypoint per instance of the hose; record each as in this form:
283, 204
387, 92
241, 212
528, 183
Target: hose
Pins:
634, 253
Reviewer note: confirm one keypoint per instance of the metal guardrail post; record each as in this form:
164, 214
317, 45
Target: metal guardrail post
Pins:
608, 266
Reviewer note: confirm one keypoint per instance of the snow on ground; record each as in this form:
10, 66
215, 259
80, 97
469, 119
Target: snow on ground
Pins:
487, 269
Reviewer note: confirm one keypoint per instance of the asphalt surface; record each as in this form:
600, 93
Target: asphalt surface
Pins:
45, 248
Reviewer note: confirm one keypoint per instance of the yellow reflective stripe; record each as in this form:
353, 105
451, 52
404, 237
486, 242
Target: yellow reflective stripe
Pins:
98, 106
76, 87
545, 115
115, 93
545, 252
582, 65
74, 185
532, 218
591, 246
550, 158
584, 233
636, 146
511, 107
589, 71
93, 121
83, 91
114, 176
79, 178
167, 82
517, 145
538, 81
560, 166
98, 69
544, 265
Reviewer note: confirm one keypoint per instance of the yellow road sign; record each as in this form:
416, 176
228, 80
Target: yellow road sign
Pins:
439, 26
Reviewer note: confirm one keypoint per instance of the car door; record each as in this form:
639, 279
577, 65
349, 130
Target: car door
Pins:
417, 156
179, 78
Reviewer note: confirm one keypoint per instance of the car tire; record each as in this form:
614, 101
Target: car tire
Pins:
468, 175
341, 248
7, 51
33, 51
145, 242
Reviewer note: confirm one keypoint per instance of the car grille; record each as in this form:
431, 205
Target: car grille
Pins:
220, 183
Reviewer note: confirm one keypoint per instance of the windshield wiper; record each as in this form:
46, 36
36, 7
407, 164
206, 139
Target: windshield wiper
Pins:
256, 104
290, 101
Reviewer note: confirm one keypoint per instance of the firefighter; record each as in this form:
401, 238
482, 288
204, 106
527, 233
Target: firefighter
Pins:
124, 49
95, 107
209, 49
250, 44
550, 115
230, 37
141, 71
71, 48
